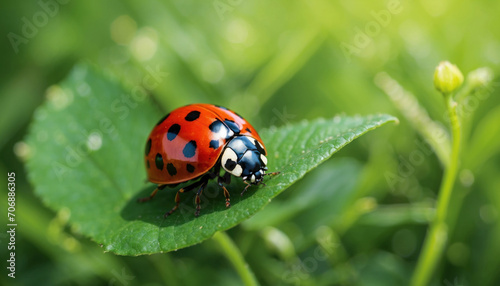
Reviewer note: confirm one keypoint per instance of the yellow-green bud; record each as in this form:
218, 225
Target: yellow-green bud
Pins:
447, 77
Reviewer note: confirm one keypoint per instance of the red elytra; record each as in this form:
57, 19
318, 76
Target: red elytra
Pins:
166, 162
195, 142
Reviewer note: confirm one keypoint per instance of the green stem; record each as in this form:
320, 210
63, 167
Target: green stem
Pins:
231, 251
437, 237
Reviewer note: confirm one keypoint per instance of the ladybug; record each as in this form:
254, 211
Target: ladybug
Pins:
195, 142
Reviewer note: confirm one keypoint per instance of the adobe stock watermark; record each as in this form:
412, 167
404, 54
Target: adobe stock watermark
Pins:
105, 129
301, 270
11, 224
363, 37
122, 278
408, 166
471, 102
224, 6
30, 26
282, 116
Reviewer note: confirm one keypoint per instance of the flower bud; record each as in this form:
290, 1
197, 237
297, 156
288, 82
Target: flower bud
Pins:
447, 77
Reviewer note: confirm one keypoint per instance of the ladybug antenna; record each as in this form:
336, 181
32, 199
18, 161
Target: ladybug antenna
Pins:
272, 174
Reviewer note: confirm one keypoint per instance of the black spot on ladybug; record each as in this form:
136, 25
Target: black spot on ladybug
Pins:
249, 131
230, 164
232, 125
147, 164
190, 168
214, 144
190, 149
172, 171
173, 131
192, 116
148, 147
159, 161
163, 119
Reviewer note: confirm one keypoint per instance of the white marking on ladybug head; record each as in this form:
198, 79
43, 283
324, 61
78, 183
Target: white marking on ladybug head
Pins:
227, 157
263, 159
229, 162
252, 178
237, 170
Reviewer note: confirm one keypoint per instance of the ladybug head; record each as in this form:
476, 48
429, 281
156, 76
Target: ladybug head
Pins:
245, 157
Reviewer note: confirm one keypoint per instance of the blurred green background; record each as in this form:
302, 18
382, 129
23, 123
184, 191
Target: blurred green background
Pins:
274, 62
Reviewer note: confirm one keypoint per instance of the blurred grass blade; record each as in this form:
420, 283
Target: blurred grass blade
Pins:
433, 132
286, 63
480, 148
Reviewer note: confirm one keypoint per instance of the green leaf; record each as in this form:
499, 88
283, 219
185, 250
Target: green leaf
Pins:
87, 144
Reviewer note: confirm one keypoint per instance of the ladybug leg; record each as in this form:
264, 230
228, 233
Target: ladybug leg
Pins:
245, 189
198, 199
160, 187
177, 201
226, 179
178, 197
